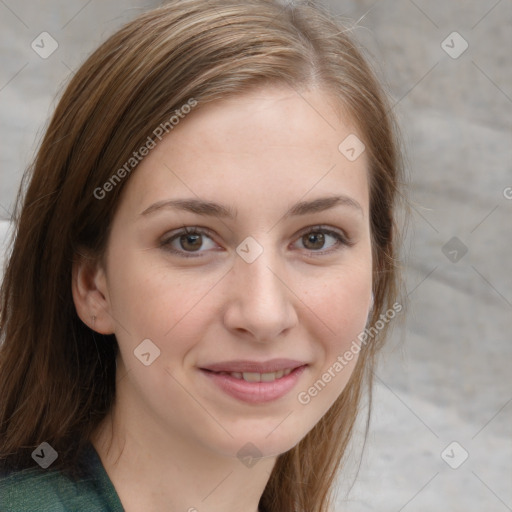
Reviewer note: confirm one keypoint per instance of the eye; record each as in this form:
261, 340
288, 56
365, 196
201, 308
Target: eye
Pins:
316, 238
188, 241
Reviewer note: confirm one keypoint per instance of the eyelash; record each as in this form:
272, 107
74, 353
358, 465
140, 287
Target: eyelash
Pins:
342, 240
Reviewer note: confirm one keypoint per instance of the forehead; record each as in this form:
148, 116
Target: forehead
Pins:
270, 144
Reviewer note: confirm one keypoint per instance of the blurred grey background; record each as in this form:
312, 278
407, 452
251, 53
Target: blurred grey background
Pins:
441, 434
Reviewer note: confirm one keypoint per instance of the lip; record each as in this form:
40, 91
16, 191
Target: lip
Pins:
241, 365
255, 392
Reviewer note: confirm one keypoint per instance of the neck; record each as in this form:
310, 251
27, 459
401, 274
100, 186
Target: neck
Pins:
151, 470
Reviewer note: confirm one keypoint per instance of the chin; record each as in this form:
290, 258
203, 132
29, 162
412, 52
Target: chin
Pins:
259, 439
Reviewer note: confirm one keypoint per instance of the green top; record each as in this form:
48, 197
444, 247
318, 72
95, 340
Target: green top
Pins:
46, 490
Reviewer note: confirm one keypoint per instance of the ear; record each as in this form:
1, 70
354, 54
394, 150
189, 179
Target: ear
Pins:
90, 293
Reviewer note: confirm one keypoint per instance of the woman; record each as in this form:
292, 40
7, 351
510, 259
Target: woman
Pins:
204, 268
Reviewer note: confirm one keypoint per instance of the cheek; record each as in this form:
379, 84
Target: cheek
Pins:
150, 301
338, 314
341, 304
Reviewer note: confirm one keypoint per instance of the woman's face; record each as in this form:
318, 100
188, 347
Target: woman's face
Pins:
274, 274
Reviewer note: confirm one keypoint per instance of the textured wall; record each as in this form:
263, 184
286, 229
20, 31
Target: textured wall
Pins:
446, 375
32, 76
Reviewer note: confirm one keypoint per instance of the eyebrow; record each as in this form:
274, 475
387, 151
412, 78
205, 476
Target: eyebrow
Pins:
212, 209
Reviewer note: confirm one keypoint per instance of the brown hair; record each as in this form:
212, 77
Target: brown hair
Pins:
57, 375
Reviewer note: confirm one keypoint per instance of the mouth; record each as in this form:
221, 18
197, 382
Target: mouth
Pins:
255, 376
255, 382
260, 367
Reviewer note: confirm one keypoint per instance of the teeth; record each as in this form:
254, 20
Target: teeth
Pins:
259, 377
251, 377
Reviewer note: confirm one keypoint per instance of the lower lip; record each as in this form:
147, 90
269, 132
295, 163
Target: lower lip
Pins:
255, 392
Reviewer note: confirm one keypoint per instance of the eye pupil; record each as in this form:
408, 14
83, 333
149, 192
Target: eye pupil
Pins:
187, 238
318, 240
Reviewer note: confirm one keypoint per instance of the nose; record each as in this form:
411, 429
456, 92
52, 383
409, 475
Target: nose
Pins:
260, 302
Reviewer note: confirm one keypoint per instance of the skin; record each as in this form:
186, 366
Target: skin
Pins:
171, 440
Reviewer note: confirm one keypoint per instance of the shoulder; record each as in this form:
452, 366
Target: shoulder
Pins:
34, 490
45, 490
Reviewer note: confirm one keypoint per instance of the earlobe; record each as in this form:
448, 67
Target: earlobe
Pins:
90, 294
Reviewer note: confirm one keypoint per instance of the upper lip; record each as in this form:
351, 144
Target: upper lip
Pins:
242, 366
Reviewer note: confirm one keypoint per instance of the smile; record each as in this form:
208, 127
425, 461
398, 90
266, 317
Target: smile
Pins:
255, 387
259, 377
